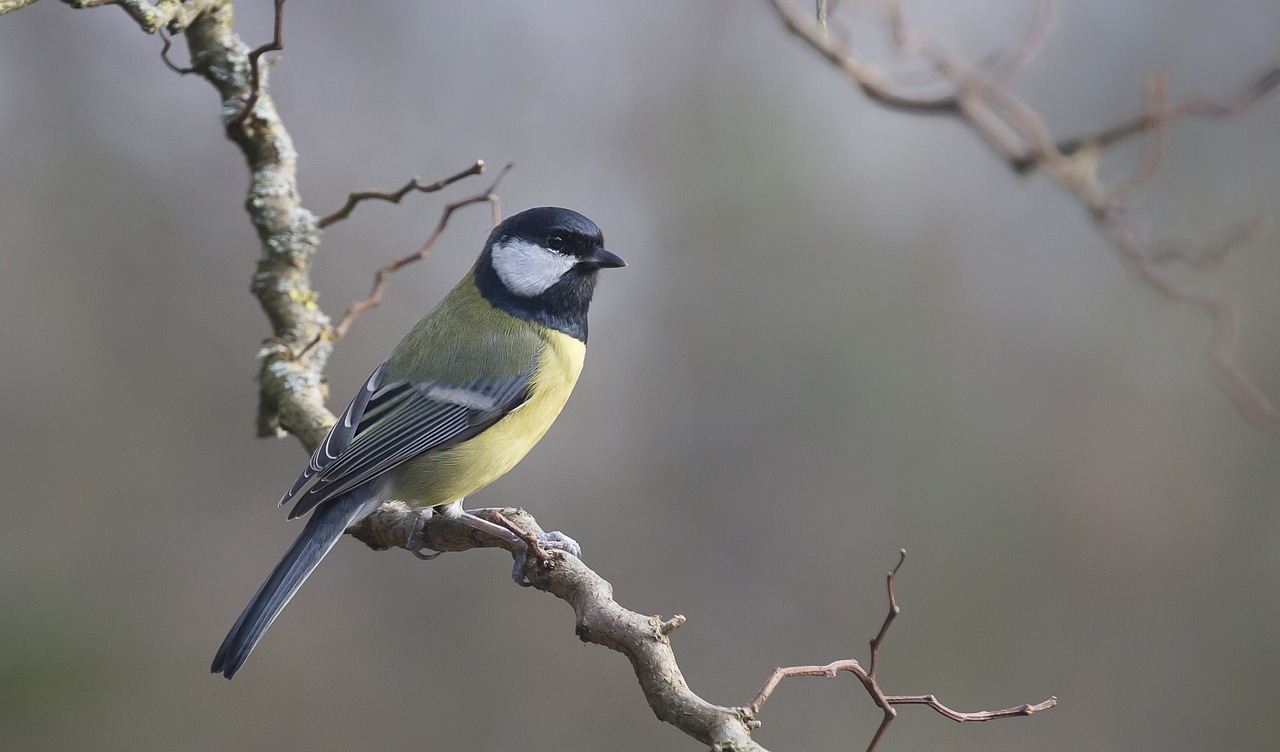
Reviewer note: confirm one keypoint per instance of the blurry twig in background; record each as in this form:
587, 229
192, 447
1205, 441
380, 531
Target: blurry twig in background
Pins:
981, 99
872, 684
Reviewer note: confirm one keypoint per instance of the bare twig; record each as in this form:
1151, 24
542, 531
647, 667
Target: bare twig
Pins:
164, 55
380, 277
1020, 136
396, 196
878, 640
255, 68
985, 715
872, 685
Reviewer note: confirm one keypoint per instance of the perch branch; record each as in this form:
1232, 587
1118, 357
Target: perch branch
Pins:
983, 102
599, 619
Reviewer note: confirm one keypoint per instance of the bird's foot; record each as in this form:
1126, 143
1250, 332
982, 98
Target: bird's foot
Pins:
524, 542
538, 545
416, 545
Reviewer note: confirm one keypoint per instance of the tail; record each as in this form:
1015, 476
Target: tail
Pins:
323, 530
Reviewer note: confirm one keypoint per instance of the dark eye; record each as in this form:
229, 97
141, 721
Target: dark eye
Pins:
555, 242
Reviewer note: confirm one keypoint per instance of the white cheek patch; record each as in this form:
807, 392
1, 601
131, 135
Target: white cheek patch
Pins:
527, 269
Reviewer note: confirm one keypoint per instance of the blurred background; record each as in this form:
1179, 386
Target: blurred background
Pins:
844, 331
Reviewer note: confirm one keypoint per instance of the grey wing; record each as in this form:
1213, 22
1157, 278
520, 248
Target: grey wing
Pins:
340, 435
389, 423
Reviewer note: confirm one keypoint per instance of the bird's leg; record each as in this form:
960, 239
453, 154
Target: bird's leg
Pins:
524, 541
416, 544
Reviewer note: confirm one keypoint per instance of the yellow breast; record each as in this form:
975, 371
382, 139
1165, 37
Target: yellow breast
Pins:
442, 477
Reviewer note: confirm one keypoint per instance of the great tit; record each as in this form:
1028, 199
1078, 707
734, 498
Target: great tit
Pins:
463, 397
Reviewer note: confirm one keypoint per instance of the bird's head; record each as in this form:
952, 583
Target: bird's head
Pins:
542, 265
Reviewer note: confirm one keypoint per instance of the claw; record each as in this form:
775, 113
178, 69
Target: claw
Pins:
416, 544
551, 541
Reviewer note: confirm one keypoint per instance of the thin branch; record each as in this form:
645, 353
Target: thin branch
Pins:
255, 68
894, 610
872, 685
985, 715
1020, 136
380, 277
164, 56
396, 196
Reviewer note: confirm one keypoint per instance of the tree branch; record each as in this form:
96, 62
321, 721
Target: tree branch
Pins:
1018, 133
599, 619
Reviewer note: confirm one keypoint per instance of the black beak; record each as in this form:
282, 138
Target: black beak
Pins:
602, 259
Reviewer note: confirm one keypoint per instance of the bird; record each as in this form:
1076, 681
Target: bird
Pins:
462, 398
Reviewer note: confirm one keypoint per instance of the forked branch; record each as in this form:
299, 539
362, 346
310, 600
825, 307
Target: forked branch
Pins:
872, 685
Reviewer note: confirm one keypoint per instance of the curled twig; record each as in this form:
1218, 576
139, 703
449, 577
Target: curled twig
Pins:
380, 277
255, 69
164, 55
395, 197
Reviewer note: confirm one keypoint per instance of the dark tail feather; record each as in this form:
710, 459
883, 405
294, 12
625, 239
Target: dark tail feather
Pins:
323, 530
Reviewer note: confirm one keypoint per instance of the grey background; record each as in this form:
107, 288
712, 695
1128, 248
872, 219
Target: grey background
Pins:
843, 331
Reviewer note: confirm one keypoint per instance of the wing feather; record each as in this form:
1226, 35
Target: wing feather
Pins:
389, 423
